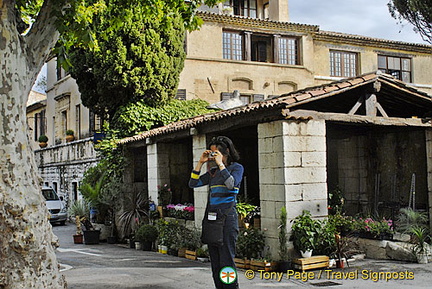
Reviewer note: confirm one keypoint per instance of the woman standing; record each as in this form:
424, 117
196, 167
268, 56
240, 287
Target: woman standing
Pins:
223, 176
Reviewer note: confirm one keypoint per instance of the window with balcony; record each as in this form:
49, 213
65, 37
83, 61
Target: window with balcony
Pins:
343, 63
232, 45
399, 67
242, 7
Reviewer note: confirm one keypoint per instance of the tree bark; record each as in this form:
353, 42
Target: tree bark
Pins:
27, 243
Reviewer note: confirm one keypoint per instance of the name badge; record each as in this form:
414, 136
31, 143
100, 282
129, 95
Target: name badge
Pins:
212, 216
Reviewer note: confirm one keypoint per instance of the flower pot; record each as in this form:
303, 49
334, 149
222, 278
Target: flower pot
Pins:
306, 254
340, 264
164, 249
422, 258
131, 243
111, 240
271, 266
70, 138
138, 246
78, 239
284, 266
91, 237
43, 144
147, 246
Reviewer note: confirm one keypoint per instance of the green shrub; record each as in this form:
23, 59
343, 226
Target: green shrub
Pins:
146, 233
250, 243
43, 138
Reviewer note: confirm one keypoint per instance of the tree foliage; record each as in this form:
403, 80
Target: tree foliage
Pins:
141, 60
138, 117
417, 12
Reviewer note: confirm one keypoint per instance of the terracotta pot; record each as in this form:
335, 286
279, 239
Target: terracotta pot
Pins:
70, 138
78, 239
43, 144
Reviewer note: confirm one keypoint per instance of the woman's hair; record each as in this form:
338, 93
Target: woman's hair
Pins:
226, 147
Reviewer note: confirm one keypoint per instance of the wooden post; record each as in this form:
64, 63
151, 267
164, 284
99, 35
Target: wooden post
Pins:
371, 105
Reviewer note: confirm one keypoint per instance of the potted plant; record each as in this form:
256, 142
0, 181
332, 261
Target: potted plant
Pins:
80, 211
244, 211
70, 135
421, 247
304, 233
43, 141
250, 243
284, 263
147, 234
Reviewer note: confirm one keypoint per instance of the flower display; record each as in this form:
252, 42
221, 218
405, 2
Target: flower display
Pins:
181, 211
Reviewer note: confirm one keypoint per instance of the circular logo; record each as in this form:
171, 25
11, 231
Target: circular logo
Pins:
228, 275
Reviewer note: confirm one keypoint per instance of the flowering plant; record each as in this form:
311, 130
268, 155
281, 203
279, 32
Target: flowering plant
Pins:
376, 227
181, 211
164, 195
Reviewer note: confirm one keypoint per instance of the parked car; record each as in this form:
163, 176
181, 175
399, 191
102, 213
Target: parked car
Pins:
56, 207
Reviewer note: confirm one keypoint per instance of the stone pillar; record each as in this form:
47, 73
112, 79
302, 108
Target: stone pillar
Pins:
158, 168
278, 10
428, 134
199, 145
292, 171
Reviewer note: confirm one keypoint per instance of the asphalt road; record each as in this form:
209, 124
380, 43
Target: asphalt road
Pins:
106, 266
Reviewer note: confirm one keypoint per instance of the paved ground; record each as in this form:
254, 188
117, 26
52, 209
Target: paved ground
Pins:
107, 266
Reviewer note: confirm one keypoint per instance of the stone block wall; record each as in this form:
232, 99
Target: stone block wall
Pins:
158, 168
200, 194
292, 169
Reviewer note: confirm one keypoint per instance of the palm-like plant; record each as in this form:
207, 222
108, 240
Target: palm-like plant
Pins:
408, 218
135, 211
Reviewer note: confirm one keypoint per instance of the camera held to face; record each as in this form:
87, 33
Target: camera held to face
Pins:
212, 155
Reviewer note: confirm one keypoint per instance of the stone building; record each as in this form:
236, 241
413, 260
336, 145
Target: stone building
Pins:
248, 46
297, 147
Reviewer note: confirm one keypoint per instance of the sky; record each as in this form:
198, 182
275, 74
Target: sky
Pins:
362, 17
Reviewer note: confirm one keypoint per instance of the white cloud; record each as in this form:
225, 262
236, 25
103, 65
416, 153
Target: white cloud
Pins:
363, 17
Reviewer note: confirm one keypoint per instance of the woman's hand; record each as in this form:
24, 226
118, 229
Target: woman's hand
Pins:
205, 156
218, 157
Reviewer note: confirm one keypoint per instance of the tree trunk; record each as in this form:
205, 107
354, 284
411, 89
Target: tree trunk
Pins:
27, 244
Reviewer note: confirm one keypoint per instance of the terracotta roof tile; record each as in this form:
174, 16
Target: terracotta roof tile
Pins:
317, 92
356, 81
331, 88
290, 99
303, 96
343, 84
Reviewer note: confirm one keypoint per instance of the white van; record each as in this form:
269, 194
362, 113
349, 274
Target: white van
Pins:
56, 207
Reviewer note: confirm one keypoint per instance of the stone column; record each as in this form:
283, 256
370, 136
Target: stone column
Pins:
199, 145
158, 168
428, 134
292, 172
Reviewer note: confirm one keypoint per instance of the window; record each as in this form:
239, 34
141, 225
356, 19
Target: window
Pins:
243, 7
39, 124
78, 120
343, 64
399, 67
232, 45
261, 48
95, 123
288, 52
64, 124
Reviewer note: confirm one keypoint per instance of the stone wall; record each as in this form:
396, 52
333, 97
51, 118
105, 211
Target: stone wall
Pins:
292, 168
63, 166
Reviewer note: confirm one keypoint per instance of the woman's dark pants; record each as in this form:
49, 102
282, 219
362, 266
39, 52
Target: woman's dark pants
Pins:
221, 257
